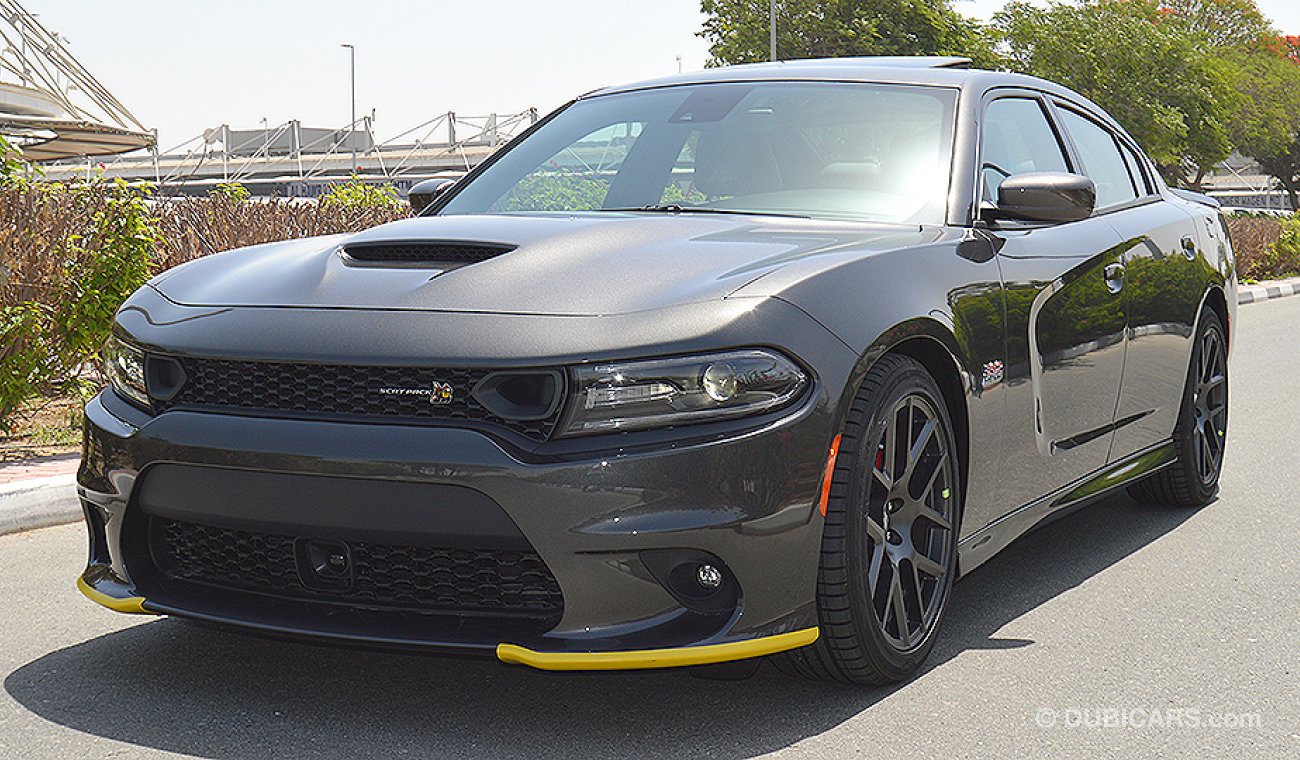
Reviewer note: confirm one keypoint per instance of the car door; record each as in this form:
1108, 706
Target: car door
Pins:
1163, 273
1064, 316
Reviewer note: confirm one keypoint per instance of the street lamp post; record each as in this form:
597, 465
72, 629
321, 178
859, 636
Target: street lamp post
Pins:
352, 135
771, 38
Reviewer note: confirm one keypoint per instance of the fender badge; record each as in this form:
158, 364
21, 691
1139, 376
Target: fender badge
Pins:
992, 374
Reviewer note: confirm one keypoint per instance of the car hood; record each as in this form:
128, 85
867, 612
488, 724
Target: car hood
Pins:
592, 264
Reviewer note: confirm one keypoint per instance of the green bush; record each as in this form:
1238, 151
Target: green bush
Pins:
1282, 258
1267, 247
229, 191
119, 257
24, 333
70, 254
50, 341
357, 194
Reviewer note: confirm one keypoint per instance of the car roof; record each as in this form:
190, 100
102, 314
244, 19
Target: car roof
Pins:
940, 71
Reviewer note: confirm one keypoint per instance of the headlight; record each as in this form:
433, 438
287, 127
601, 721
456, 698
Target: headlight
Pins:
124, 365
679, 390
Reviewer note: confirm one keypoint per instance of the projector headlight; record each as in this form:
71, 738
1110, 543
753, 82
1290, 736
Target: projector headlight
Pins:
679, 390
124, 366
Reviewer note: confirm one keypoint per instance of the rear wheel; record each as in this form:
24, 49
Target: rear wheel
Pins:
889, 545
1201, 433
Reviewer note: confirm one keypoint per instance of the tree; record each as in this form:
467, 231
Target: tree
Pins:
1287, 47
1265, 123
1268, 128
737, 30
1166, 85
1222, 24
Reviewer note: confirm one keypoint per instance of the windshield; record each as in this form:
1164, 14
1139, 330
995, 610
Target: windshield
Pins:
825, 150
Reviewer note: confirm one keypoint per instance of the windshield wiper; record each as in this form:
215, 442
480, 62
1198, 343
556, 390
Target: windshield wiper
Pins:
673, 208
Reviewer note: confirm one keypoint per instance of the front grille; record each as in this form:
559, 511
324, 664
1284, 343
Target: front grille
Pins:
341, 391
431, 252
384, 576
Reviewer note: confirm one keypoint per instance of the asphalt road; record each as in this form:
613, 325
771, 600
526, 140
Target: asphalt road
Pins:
1132, 628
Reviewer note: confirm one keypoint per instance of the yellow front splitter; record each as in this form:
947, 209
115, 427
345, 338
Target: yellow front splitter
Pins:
132, 605
639, 659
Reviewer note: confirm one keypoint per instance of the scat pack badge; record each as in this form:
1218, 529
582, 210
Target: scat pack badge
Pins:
438, 392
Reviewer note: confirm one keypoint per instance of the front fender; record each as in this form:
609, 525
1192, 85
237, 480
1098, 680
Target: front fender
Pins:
941, 303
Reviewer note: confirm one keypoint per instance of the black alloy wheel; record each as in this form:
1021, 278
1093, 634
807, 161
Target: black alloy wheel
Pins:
1210, 406
889, 546
909, 521
1201, 434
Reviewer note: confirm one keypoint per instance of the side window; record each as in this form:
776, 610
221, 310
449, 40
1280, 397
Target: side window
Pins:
1017, 139
1135, 168
1102, 160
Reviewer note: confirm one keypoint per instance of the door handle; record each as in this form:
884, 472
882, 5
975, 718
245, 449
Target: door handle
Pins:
1114, 274
1189, 248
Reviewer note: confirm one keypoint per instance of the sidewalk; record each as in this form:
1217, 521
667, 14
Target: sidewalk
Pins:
40, 467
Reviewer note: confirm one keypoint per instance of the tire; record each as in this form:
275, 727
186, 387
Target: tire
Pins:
872, 525
1201, 433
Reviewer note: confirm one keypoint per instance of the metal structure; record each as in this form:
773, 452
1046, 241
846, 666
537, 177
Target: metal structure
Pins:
352, 63
50, 105
1240, 183
292, 159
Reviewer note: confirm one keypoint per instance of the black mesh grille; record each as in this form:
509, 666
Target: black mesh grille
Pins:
341, 390
413, 578
431, 252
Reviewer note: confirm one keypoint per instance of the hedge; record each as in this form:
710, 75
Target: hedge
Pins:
71, 253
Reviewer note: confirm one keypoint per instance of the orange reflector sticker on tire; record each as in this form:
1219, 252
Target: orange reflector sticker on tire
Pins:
830, 474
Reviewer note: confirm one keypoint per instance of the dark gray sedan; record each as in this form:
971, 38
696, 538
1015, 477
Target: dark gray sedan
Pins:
750, 361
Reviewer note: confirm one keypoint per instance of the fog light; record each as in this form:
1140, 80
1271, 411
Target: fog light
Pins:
719, 381
709, 576
698, 580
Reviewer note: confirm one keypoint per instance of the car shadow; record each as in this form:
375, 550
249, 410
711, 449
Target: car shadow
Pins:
186, 688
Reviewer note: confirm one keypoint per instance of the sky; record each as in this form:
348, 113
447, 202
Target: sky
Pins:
186, 65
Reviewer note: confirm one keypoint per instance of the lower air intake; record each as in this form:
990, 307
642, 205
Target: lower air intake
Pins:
378, 576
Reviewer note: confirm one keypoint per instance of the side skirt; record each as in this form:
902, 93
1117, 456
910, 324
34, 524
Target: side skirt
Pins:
976, 549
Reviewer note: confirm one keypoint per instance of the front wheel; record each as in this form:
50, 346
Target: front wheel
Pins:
889, 546
1201, 434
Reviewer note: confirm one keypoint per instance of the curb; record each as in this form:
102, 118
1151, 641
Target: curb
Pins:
38, 503
1276, 289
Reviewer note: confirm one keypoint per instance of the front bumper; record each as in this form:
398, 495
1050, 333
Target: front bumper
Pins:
748, 500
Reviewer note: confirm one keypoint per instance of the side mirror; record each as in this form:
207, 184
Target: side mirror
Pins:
1046, 197
425, 192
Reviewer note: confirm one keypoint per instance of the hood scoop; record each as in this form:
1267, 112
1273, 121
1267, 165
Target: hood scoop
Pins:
443, 254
